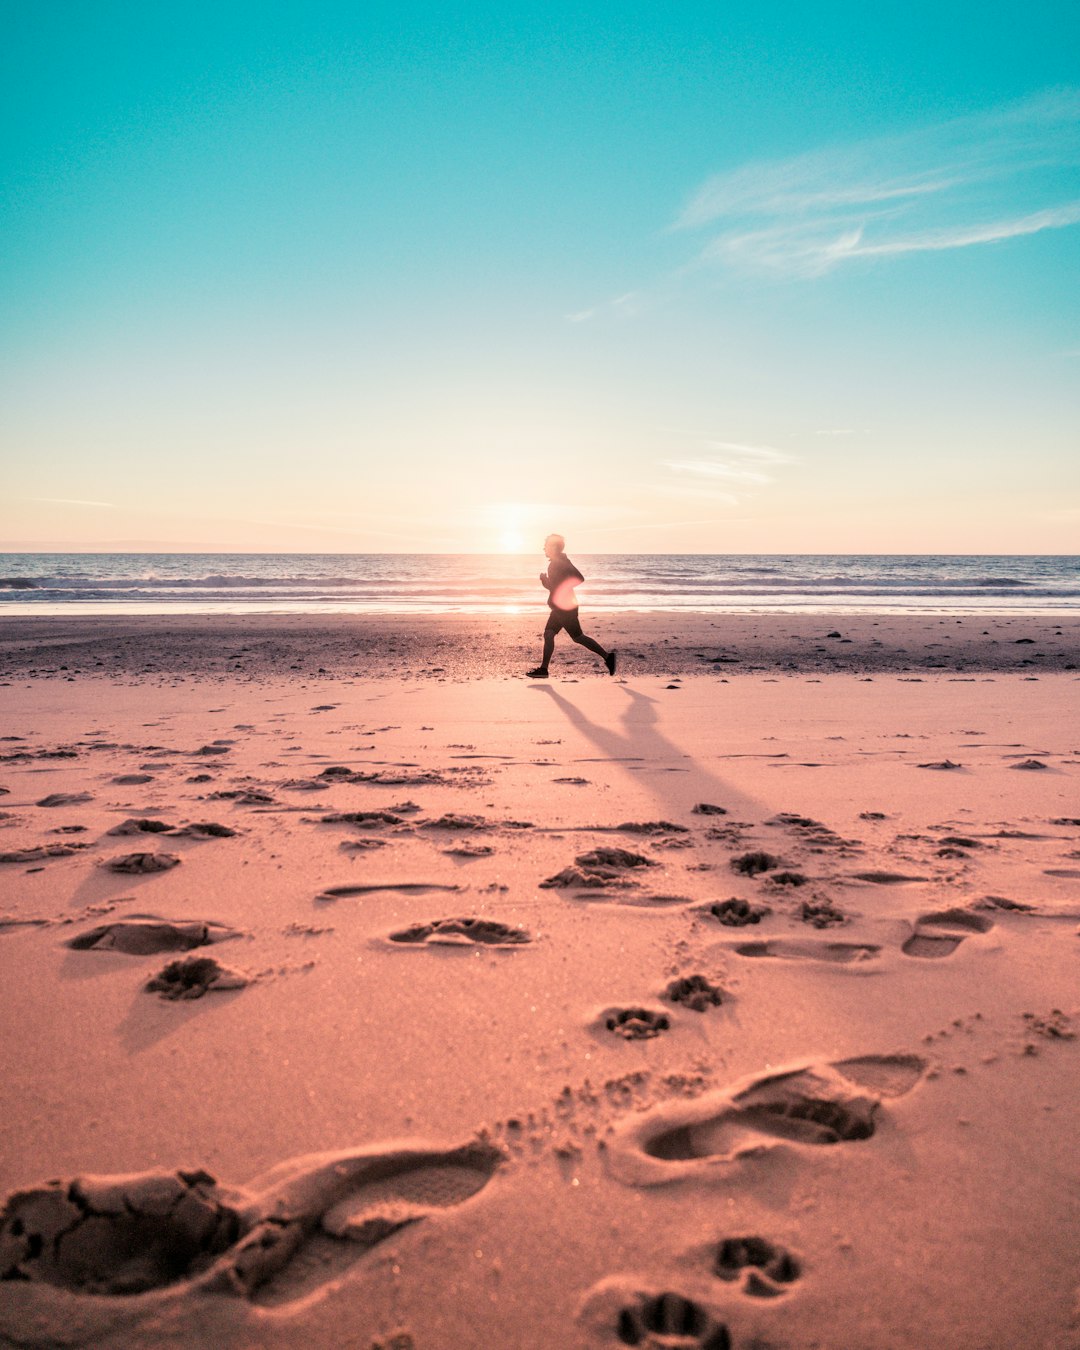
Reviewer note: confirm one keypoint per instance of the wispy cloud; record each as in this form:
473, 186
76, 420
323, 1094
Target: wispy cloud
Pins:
763, 454
982, 179
721, 470
69, 501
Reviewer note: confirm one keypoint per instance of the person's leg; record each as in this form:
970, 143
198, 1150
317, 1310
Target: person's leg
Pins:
541, 670
583, 640
573, 628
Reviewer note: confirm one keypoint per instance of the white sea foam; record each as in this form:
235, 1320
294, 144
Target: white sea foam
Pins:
478, 583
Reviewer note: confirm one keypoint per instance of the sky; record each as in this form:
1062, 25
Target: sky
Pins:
700, 278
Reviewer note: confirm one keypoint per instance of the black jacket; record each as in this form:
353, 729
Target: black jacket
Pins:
560, 570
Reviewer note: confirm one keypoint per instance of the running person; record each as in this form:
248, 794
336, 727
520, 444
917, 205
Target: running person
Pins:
559, 581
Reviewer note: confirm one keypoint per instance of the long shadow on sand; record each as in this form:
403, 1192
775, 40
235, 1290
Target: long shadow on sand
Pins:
638, 740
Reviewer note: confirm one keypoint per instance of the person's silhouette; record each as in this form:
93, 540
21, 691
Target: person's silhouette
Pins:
559, 581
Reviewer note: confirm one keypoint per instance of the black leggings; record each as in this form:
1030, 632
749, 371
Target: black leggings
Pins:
568, 621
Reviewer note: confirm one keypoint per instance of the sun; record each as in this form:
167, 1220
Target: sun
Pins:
511, 541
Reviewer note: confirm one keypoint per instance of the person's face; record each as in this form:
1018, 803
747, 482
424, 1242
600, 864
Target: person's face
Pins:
549, 549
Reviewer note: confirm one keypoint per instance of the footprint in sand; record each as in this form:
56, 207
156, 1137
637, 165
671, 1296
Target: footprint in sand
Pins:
203, 829
65, 799
105, 1250
465, 932
786, 878
670, 1321
696, 992
821, 914
365, 819
140, 825
595, 892
370, 888
40, 851
812, 833
650, 827
598, 869
243, 797
735, 913
469, 850
193, 977
809, 1104
793, 949
613, 857
940, 934
141, 863
886, 878
143, 934
762, 1268
588, 878
635, 1024
755, 863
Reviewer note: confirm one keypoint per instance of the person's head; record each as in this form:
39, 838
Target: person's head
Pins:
554, 544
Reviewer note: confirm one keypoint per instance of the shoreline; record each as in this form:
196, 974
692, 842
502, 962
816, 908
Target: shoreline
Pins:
454, 647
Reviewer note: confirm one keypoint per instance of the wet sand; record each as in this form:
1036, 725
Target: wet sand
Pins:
464, 646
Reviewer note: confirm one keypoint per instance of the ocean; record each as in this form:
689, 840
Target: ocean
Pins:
323, 583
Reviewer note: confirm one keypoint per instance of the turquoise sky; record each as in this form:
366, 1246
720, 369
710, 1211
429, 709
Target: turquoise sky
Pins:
700, 278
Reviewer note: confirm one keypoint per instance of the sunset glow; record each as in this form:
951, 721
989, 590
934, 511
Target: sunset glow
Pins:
680, 279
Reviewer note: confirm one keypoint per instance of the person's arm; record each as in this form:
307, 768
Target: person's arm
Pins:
544, 581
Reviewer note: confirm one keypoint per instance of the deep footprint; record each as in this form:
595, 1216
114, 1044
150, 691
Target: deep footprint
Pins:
141, 863
613, 857
736, 913
588, 878
822, 1105
193, 977
161, 1236
462, 932
755, 863
203, 829
939, 934
636, 1024
837, 953
670, 1321
143, 934
762, 1267
694, 992
140, 825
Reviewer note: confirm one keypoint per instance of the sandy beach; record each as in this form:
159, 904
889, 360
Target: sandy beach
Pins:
360, 992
